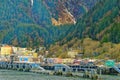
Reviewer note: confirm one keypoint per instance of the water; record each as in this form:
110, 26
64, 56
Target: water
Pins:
17, 75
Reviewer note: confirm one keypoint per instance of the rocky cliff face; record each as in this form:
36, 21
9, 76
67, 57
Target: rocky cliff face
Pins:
68, 11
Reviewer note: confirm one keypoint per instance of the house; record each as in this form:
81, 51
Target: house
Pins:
72, 53
35, 55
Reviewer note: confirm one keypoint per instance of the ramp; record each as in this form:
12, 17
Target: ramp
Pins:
116, 68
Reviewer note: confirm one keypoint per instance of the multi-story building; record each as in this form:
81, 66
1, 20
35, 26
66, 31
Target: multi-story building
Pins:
6, 50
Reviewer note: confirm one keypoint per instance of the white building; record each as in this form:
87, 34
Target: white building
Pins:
72, 53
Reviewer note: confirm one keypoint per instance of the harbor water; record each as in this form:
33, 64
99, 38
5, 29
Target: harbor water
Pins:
19, 75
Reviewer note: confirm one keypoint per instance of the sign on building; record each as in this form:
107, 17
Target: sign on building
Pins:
110, 63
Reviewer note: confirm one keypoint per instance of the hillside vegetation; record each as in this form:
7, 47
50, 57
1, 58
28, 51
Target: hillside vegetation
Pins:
87, 48
96, 34
27, 24
99, 23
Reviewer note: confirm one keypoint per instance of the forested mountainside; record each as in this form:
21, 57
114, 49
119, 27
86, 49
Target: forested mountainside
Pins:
91, 27
96, 34
31, 23
100, 23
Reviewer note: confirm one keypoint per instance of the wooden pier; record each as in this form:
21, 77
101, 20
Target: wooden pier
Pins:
58, 69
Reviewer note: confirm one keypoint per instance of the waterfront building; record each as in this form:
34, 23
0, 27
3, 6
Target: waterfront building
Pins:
6, 50
25, 58
67, 61
61, 67
58, 60
22, 49
15, 49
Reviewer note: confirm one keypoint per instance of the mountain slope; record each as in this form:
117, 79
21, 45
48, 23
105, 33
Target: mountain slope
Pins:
27, 23
96, 34
97, 23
